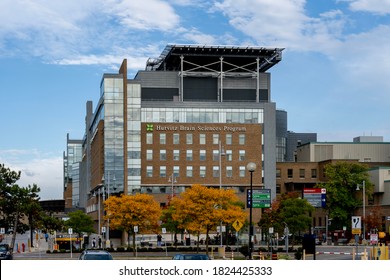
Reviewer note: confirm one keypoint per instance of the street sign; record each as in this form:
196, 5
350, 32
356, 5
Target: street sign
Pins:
135, 229
70, 231
356, 225
237, 225
315, 196
261, 198
223, 229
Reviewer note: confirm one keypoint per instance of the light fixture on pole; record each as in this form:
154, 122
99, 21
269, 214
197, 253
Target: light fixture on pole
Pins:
108, 196
251, 168
364, 208
172, 180
221, 153
98, 210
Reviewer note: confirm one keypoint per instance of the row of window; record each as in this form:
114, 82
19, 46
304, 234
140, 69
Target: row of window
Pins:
195, 115
189, 171
301, 172
189, 139
162, 155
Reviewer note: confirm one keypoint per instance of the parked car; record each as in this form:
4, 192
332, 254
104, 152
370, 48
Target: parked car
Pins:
5, 252
95, 255
191, 257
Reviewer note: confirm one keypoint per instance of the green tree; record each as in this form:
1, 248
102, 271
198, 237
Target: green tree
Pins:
80, 223
17, 203
169, 223
49, 223
341, 195
296, 213
287, 209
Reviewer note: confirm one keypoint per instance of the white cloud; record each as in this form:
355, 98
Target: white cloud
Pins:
155, 14
381, 7
197, 37
79, 32
36, 168
283, 23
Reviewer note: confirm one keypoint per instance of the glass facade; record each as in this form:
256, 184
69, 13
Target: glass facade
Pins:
115, 145
112, 92
186, 115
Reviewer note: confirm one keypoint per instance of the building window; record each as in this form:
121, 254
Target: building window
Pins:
241, 139
149, 154
176, 155
302, 173
241, 156
278, 189
290, 173
176, 138
163, 155
202, 139
189, 140
229, 155
202, 171
163, 171
215, 139
149, 138
242, 171
215, 171
176, 171
215, 155
314, 173
229, 139
189, 171
277, 172
149, 171
189, 155
163, 138
134, 171
202, 155
229, 171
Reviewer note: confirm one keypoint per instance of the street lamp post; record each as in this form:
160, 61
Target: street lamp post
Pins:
99, 210
221, 153
172, 180
108, 196
364, 208
251, 168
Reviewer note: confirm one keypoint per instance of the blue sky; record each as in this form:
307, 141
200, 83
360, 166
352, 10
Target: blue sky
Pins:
334, 78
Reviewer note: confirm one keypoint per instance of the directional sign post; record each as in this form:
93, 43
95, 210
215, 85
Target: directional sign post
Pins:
315, 196
356, 225
261, 198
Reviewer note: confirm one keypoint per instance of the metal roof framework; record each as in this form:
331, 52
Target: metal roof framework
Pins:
216, 61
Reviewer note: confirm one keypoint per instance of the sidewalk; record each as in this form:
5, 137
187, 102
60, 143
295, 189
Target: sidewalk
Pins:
23, 246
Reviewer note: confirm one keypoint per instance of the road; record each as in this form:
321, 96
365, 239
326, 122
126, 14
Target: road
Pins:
323, 253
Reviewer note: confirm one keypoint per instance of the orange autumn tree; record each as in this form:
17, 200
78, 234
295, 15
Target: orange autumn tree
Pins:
127, 211
200, 209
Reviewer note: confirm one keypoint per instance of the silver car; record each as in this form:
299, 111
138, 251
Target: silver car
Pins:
191, 257
95, 255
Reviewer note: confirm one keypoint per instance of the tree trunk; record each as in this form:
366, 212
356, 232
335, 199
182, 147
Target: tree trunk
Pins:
197, 243
16, 221
133, 244
207, 241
